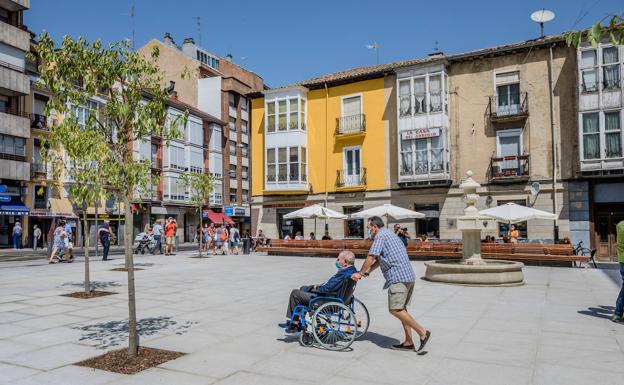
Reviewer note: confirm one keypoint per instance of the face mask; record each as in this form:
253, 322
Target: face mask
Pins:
338, 266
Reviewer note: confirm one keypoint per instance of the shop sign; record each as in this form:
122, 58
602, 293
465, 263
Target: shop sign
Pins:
3, 188
420, 133
5, 198
229, 211
239, 211
205, 213
50, 214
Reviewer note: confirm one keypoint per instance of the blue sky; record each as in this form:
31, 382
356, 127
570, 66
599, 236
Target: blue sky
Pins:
288, 41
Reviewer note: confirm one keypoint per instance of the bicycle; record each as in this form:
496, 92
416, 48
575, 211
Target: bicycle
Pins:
584, 251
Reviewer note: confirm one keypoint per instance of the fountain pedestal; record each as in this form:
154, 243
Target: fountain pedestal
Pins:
471, 269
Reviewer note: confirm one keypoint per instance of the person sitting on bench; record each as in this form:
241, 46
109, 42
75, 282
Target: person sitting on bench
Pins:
345, 265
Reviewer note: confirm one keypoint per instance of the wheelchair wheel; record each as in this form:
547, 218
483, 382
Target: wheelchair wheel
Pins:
334, 326
362, 318
306, 338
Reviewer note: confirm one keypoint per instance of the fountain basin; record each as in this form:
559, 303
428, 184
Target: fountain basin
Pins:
490, 273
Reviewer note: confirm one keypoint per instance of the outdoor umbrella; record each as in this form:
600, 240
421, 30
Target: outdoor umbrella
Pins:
513, 213
315, 211
387, 210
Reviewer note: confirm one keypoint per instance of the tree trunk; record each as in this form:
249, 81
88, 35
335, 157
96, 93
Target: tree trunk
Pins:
133, 338
87, 278
201, 232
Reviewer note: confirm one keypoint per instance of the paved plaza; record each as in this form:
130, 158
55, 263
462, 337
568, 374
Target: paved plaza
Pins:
223, 312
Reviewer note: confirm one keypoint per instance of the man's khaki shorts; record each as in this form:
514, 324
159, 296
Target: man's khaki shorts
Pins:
169, 240
400, 295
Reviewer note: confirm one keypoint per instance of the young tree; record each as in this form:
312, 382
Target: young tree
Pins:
135, 108
614, 31
200, 186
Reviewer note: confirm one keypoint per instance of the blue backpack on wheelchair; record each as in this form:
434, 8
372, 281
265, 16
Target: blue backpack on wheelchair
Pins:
332, 320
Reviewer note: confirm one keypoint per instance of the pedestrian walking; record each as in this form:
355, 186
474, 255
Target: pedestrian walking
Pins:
158, 234
212, 238
17, 235
170, 231
389, 253
225, 238
618, 315
59, 243
234, 240
36, 237
69, 242
105, 234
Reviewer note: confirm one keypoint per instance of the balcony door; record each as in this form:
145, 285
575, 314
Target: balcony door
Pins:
509, 148
508, 93
352, 167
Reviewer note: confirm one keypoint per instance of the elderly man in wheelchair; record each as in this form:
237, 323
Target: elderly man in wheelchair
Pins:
328, 313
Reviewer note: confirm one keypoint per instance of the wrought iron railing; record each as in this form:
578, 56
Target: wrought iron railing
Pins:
351, 124
39, 122
346, 179
41, 204
512, 166
508, 106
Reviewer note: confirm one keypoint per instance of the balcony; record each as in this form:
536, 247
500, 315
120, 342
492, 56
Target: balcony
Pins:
41, 204
353, 124
39, 122
15, 36
13, 80
15, 5
156, 195
352, 181
38, 169
508, 107
156, 164
513, 168
14, 122
14, 167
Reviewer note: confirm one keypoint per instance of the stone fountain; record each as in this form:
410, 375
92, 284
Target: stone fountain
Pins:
471, 269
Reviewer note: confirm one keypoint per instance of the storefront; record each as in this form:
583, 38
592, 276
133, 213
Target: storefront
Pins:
12, 210
44, 220
240, 216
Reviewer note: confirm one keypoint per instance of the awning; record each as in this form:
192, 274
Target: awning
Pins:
219, 217
50, 214
13, 207
158, 210
61, 207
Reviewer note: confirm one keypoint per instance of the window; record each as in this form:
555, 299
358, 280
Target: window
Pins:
423, 156
233, 171
215, 164
435, 93
233, 195
177, 191
304, 164
196, 160
405, 98
244, 150
232, 148
245, 195
610, 68
244, 172
303, 116
294, 164
271, 165
270, 117
353, 228
216, 197
12, 145
352, 119
613, 128
232, 100
243, 103
508, 93
420, 96
591, 136
504, 228
282, 115
352, 167
282, 165
509, 147
177, 158
215, 138
293, 105
195, 132
232, 124
430, 224
589, 72
154, 151
82, 113
244, 126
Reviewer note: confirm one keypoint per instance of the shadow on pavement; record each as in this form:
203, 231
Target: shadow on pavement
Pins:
379, 339
604, 312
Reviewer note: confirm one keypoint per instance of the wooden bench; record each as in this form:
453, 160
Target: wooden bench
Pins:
525, 252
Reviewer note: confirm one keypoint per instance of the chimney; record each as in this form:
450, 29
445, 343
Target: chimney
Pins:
436, 54
188, 40
168, 40
229, 57
171, 89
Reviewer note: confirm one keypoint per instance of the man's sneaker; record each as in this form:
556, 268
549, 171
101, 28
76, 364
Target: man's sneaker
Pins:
423, 341
617, 318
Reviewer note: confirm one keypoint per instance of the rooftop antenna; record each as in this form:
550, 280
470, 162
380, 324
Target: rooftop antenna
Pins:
374, 46
436, 48
199, 31
542, 16
132, 21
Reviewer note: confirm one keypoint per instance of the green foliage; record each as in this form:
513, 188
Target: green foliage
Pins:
200, 186
614, 32
130, 98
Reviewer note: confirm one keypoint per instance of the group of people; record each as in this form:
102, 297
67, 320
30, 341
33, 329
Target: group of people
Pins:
224, 239
168, 232
299, 237
62, 243
388, 253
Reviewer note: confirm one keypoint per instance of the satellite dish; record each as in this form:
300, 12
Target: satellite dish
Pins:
542, 16
535, 188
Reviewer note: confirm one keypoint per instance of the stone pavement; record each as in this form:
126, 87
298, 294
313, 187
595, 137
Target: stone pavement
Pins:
223, 311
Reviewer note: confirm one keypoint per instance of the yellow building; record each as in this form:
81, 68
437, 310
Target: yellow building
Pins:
321, 141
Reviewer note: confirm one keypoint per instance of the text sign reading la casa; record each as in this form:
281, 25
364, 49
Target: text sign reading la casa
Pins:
420, 133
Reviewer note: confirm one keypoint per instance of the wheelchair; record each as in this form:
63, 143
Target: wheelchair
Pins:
332, 320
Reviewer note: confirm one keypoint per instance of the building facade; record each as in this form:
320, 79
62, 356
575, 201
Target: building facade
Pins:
14, 121
216, 86
406, 133
597, 194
